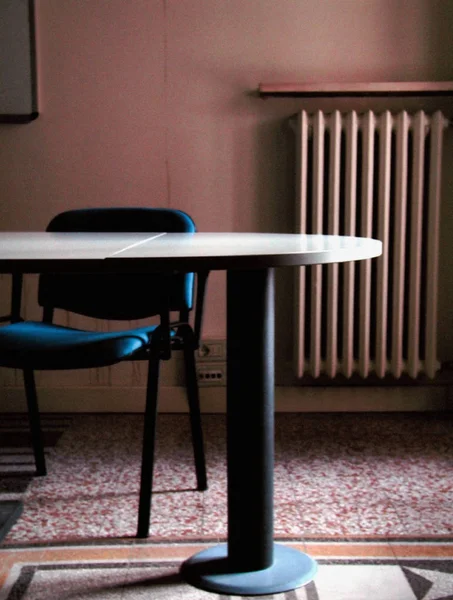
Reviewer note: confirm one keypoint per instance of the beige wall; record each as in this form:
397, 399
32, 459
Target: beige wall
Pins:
151, 102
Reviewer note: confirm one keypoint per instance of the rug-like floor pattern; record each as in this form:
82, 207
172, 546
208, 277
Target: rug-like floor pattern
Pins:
335, 475
368, 495
17, 464
366, 570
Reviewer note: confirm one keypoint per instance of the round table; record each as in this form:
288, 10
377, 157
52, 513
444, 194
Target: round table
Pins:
250, 563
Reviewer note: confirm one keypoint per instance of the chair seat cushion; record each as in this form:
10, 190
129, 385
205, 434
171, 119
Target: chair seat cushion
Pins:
42, 346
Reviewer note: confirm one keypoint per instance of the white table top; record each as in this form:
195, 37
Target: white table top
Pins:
139, 252
48, 246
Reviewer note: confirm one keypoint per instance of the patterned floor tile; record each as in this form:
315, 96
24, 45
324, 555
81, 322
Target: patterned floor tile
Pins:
335, 474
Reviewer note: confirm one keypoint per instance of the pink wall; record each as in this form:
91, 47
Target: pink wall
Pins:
148, 102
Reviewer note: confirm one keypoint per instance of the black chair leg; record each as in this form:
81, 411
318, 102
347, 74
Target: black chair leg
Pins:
149, 437
195, 417
35, 422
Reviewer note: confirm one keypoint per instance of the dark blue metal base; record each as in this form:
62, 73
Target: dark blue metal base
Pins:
209, 570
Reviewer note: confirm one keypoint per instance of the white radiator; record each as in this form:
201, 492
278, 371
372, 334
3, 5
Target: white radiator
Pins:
375, 176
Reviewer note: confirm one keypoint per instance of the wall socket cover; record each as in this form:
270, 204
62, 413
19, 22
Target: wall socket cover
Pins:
210, 375
212, 350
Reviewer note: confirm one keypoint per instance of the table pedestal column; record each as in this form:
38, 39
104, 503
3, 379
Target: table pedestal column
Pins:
250, 563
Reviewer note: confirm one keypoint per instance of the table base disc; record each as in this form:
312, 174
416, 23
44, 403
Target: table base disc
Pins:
209, 570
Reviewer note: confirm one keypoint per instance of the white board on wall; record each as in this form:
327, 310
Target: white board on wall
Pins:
18, 102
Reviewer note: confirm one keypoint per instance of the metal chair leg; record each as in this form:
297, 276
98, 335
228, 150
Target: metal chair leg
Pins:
149, 437
35, 422
195, 417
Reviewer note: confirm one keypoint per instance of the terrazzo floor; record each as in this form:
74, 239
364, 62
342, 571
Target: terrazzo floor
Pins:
336, 475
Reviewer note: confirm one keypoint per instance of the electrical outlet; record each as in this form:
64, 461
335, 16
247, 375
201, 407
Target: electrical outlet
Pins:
210, 375
212, 350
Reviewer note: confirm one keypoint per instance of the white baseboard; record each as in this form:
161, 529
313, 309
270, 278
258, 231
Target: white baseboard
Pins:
213, 399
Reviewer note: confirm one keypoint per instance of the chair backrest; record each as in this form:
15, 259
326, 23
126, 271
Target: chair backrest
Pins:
122, 296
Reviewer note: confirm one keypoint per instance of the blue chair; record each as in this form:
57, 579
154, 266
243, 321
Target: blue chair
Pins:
31, 346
